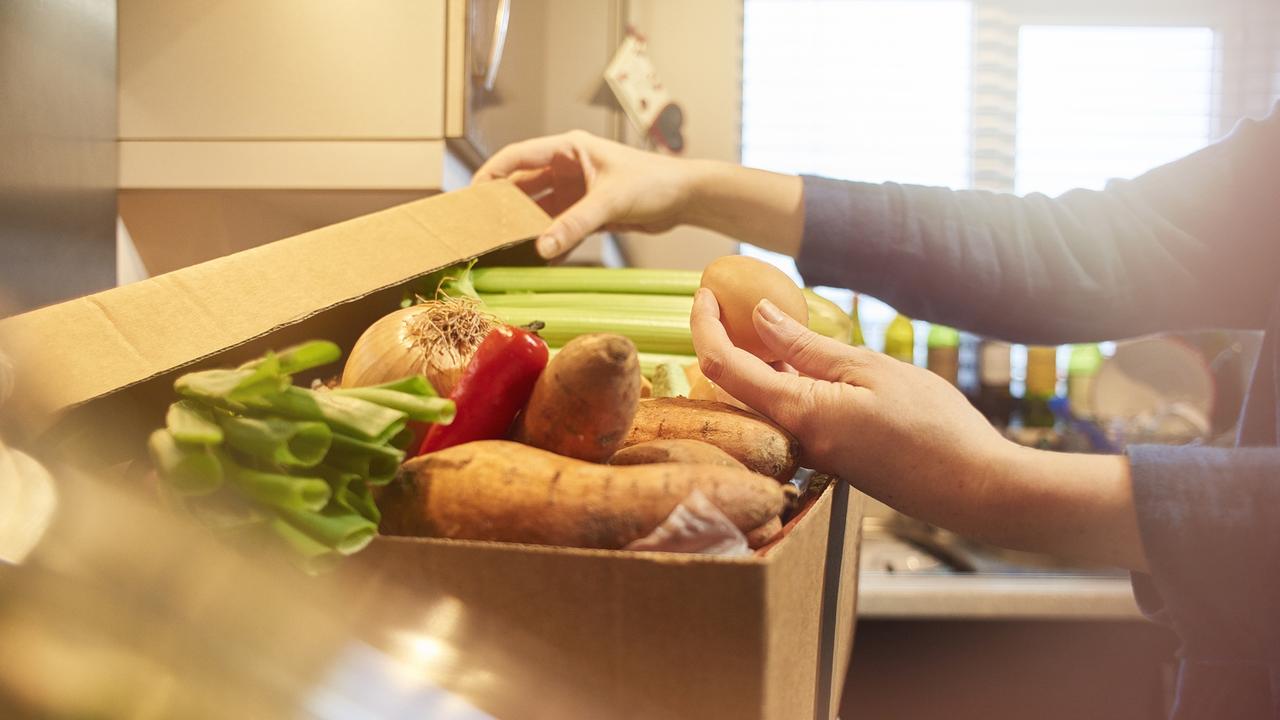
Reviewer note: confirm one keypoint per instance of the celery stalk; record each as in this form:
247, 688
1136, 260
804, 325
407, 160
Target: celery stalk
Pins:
649, 362
667, 334
647, 305
573, 279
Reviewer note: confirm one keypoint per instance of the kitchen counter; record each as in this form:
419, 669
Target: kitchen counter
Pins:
994, 596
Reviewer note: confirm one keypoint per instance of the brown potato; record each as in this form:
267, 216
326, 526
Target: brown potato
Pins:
689, 452
583, 403
752, 440
499, 490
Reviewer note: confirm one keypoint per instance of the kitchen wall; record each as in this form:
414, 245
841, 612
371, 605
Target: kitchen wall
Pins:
697, 49
57, 150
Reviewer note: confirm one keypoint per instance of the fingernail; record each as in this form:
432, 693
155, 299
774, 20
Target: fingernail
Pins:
548, 246
769, 312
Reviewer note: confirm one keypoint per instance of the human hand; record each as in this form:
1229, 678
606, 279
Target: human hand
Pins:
587, 184
896, 431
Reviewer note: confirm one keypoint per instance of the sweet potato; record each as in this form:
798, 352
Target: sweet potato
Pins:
583, 403
498, 490
689, 452
762, 535
751, 439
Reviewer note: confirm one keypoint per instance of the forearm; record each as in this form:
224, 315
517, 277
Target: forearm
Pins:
1073, 506
761, 208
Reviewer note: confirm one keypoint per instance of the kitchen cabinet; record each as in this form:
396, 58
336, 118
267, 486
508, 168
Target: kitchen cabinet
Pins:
334, 94
242, 121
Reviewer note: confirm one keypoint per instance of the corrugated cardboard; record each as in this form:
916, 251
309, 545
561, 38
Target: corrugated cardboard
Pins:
523, 632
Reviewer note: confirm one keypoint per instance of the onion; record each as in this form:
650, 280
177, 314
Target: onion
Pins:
435, 338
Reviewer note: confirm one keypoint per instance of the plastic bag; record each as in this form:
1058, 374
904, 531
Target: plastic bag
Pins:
695, 526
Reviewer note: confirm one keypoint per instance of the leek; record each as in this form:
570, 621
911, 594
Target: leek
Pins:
578, 279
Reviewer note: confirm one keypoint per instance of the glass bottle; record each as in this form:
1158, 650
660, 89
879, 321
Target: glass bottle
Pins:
995, 372
944, 353
1083, 366
900, 339
1042, 384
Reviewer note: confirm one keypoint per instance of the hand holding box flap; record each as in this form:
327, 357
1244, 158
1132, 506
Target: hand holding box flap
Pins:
695, 526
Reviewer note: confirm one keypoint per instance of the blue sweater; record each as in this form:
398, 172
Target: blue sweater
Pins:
1192, 244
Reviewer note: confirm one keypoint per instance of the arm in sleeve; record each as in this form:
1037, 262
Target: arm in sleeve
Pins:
1209, 519
1190, 244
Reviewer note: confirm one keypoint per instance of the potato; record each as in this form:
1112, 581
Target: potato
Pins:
499, 490
750, 439
739, 284
689, 452
583, 403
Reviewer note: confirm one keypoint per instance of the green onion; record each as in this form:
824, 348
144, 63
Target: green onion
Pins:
358, 498
413, 385
231, 388
669, 334
277, 490
296, 359
572, 279
376, 462
189, 469
286, 443
191, 422
354, 416
343, 531
421, 409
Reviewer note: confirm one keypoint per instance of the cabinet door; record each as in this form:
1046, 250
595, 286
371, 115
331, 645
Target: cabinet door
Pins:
281, 69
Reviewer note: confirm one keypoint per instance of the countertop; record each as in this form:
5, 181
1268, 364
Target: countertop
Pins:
994, 596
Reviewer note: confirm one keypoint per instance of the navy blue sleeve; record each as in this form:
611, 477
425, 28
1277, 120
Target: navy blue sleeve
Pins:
1148, 254
1208, 521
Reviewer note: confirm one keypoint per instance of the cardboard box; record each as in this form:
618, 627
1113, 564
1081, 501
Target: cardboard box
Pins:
541, 632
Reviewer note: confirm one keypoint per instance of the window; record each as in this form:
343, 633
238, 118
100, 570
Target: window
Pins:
1016, 96
872, 90
1096, 103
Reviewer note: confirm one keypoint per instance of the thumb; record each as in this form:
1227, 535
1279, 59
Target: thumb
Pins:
808, 352
572, 226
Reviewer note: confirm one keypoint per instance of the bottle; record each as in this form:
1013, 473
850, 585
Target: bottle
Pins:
944, 353
1042, 385
900, 339
995, 372
856, 337
1083, 366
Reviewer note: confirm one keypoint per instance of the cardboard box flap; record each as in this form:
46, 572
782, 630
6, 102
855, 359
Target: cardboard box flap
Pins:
77, 351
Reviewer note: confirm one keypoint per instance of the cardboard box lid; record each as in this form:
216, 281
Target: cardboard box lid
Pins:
74, 352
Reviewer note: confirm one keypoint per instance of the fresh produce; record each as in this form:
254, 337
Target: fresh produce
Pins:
581, 407
506, 491
247, 448
651, 307
582, 280
764, 534
493, 389
688, 452
435, 339
826, 318
739, 284
754, 441
669, 380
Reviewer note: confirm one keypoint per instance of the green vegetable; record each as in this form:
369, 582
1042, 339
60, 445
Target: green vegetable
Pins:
280, 442
191, 422
190, 469
572, 279
247, 451
669, 380
660, 334
421, 409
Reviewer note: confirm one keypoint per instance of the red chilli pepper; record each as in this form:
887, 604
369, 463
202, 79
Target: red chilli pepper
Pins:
495, 386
